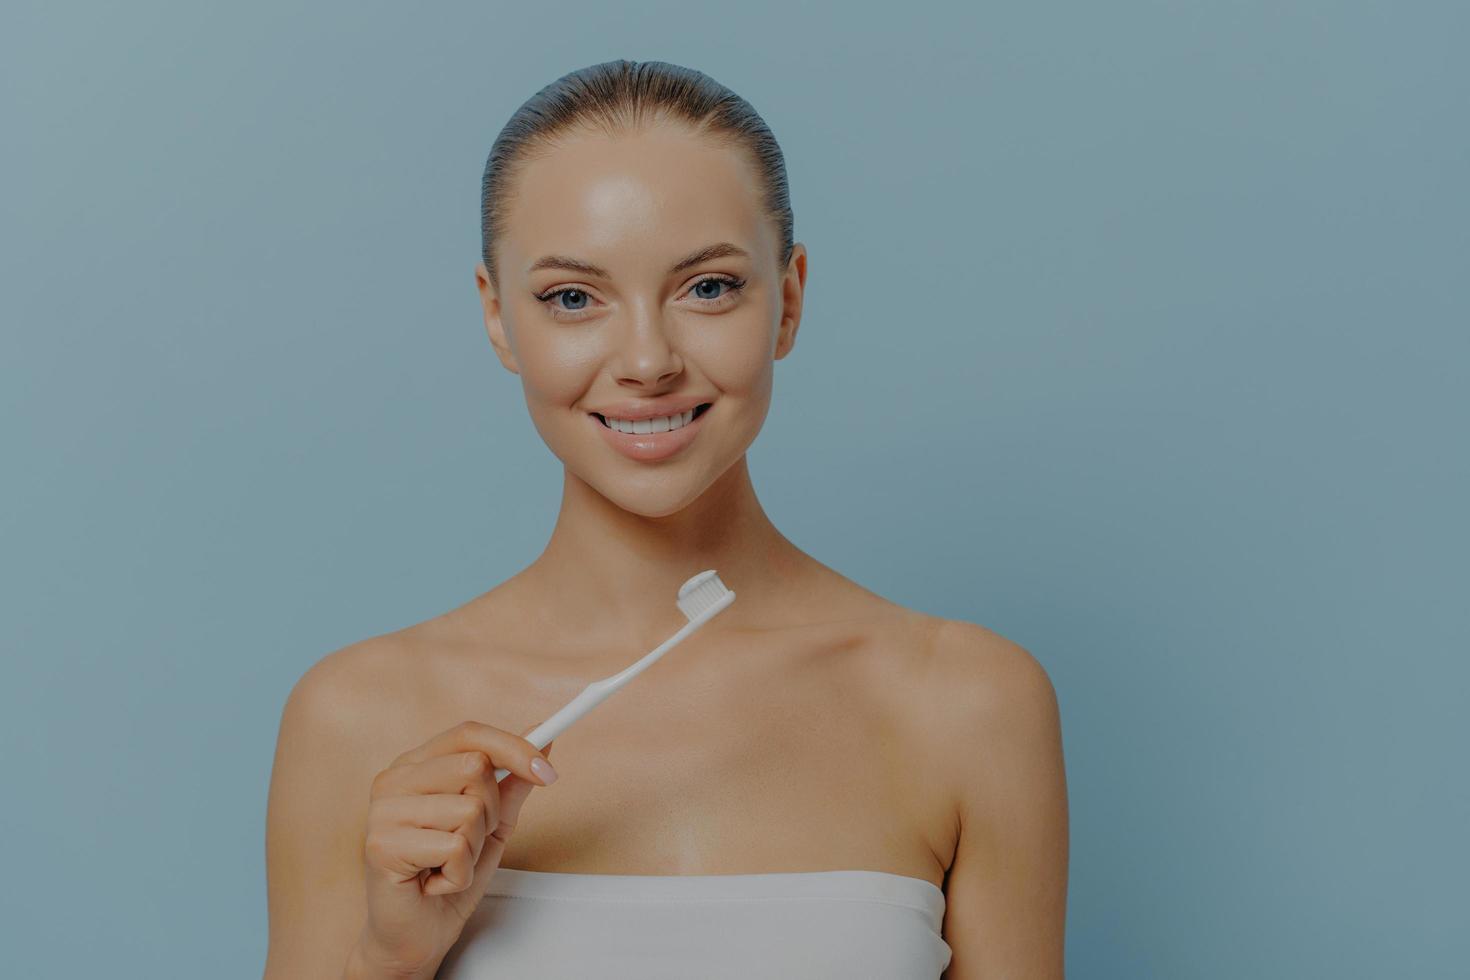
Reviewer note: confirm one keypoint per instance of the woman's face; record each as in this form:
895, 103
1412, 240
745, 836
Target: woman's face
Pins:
635, 327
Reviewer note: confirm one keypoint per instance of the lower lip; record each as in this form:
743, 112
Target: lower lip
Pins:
649, 447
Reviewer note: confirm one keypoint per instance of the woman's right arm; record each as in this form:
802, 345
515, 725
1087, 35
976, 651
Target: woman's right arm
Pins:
373, 866
315, 821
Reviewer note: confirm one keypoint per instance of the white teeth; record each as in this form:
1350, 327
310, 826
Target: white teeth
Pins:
663, 423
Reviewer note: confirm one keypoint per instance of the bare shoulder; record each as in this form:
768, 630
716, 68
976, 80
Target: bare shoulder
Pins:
358, 708
348, 694
990, 717
998, 734
984, 710
343, 721
990, 680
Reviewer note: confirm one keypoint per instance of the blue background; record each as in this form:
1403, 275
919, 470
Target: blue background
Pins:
1135, 331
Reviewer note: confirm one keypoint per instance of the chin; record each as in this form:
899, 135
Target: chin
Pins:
648, 494
651, 505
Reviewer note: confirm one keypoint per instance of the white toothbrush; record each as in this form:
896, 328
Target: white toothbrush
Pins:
700, 598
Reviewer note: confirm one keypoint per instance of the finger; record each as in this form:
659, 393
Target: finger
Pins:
469, 773
545, 754
454, 773
513, 793
433, 811
506, 750
403, 853
451, 813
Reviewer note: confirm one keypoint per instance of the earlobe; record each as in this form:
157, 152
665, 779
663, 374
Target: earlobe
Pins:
498, 340
494, 327
786, 336
792, 289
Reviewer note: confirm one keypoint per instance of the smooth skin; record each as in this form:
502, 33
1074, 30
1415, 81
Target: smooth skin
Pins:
812, 726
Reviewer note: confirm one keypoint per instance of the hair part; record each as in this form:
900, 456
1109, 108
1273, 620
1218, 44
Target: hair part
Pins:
619, 97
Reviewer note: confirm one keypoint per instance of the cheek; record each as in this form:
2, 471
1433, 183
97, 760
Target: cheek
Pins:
556, 369
737, 358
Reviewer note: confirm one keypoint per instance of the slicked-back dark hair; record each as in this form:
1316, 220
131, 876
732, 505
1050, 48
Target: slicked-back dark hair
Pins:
616, 97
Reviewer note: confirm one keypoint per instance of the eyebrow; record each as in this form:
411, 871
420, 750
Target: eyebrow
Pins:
718, 250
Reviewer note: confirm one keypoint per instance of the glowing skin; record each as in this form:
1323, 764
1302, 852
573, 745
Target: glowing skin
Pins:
635, 206
814, 725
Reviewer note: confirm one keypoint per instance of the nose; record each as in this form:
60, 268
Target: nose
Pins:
643, 354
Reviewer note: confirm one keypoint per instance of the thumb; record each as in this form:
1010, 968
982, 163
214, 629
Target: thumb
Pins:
513, 792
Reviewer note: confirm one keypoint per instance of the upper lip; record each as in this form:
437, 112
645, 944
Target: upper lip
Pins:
649, 408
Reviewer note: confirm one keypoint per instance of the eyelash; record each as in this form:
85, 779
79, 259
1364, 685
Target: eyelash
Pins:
733, 285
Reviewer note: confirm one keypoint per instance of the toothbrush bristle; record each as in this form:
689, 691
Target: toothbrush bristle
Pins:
700, 593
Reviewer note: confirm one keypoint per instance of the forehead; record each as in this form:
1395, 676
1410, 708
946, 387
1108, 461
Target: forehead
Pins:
633, 203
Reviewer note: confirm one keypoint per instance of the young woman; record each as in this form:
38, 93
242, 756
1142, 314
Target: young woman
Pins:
818, 783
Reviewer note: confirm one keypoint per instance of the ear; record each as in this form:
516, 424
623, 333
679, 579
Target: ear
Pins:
490, 303
793, 287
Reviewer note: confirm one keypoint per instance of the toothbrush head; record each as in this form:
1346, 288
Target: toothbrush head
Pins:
704, 593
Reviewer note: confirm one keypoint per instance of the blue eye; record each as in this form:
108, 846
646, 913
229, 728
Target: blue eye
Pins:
732, 286
569, 291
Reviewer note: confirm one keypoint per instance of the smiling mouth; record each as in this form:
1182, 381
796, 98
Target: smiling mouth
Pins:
698, 411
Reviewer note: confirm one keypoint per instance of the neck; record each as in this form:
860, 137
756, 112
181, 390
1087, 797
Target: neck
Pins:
612, 574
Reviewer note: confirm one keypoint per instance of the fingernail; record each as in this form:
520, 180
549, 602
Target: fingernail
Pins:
543, 769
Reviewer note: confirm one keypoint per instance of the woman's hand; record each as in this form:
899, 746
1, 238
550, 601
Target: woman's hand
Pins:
437, 826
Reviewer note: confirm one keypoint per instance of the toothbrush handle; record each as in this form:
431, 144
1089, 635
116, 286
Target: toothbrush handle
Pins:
590, 697
600, 690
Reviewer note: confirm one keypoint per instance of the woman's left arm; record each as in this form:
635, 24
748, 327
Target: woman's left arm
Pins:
1006, 890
